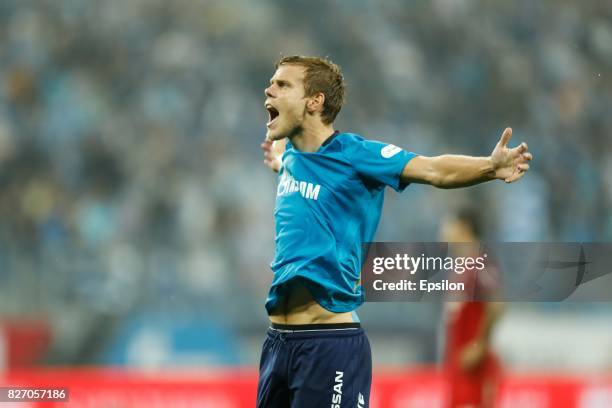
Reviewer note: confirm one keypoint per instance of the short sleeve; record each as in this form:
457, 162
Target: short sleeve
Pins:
380, 162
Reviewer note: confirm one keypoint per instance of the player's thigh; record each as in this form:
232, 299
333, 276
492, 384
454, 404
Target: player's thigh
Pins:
272, 389
332, 372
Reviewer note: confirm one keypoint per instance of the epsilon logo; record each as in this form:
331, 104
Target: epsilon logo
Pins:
389, 151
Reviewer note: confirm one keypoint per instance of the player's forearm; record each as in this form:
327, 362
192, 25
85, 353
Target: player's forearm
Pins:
493, 311
454, 171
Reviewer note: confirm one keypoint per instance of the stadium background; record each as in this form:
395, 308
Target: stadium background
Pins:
136, 220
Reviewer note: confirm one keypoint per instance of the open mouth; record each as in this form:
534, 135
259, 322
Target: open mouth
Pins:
272, 114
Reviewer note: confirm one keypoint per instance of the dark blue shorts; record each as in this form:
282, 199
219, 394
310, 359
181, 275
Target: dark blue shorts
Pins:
311, 366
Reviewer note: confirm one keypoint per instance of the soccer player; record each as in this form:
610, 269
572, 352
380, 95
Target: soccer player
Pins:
473, 370
328, 202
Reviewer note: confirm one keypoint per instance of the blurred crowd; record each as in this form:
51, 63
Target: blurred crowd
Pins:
130, 171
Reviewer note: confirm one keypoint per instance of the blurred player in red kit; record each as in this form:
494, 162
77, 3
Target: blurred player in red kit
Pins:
472, 368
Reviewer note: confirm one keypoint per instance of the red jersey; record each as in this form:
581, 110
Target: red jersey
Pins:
467, 387
465, 321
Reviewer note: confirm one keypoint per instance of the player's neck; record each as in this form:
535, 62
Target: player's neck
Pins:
312, 137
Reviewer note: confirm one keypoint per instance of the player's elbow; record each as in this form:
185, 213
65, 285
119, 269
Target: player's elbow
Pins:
434, 180
440, 179
424, 170
445, 181
435, 175
443, 176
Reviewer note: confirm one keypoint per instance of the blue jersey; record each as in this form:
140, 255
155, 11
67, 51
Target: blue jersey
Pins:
327, 204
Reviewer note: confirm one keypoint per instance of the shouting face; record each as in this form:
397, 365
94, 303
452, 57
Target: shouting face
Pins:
285, 102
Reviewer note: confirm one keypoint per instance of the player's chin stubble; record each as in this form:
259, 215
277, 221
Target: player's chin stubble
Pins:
297, 127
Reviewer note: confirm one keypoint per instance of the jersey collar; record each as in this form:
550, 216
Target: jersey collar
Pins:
329, 139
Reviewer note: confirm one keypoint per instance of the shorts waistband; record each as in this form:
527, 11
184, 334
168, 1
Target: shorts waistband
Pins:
285, 332
313, 327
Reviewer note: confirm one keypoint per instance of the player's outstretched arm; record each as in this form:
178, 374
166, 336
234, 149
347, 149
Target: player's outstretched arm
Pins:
273, 153
453, 171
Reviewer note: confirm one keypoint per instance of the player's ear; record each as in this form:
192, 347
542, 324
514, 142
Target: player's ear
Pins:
315, 102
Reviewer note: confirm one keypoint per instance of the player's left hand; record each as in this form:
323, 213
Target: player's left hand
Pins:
510, 164
273, 152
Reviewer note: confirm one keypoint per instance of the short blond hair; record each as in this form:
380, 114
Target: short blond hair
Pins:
323, 76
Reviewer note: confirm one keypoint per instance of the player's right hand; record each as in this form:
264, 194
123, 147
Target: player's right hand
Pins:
472, 355
272, 154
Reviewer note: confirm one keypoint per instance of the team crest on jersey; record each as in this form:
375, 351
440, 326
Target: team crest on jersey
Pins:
389, 151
